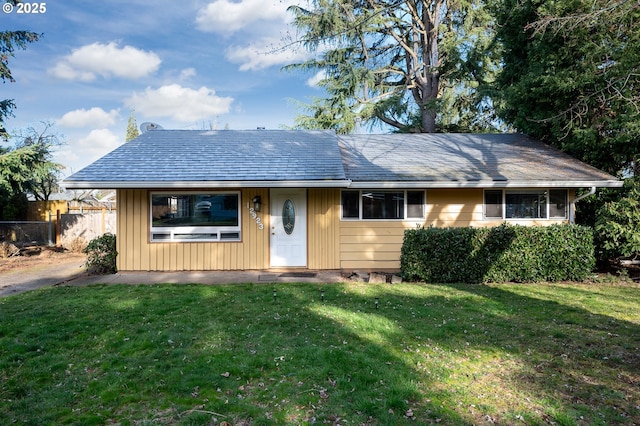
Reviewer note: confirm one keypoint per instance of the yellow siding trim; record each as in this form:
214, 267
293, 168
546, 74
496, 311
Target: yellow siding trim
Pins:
372, 244
368, 239
454, 207
137, 253
376, 245
119, 229
142, 235
323, 228
130, 230
373, 248
351, 265
332, 242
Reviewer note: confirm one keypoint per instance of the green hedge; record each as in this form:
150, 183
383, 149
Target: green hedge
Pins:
500, 254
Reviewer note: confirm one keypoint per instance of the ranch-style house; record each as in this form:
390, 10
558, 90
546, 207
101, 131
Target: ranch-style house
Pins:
287, 199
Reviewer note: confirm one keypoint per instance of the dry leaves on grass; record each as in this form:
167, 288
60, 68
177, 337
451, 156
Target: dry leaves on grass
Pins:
45, 257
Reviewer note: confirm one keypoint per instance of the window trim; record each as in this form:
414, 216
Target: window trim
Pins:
503, 206
195, 234
405, 207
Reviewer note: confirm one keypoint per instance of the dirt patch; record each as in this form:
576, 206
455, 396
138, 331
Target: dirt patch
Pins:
633, 271
39, 258
39, 268
623, 269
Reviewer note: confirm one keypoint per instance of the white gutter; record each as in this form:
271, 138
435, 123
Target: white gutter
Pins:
572, 205
483, 184
206, 184
337, 183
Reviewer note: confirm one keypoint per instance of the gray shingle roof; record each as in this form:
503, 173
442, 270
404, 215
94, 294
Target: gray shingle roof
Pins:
229, 158
457, 160
208, 158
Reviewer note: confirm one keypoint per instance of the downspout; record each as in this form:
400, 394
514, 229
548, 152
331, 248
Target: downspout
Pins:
572, 206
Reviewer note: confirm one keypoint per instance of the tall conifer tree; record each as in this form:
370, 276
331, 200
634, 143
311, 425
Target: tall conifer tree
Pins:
132, 128
571, 77
413, 66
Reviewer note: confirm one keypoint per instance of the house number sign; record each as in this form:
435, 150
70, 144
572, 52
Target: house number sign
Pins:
255, 217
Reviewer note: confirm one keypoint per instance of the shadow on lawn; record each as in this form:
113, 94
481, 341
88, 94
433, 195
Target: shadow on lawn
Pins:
567, 362
184, 354
589, 363
571, 365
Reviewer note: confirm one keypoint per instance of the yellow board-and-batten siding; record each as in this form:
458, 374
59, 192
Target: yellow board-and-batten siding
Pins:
137, 253
376, 244
323, 228
332, 243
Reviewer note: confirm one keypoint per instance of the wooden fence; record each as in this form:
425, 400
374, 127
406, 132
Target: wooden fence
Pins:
75, 228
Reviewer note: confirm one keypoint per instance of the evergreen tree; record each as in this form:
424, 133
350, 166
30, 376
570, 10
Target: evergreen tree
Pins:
27, 168
16, 165
617, 228
9, 42
132, 128
571, 76
414, 65
45, 173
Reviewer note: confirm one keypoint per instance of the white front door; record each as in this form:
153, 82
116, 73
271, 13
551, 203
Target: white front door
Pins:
288, 227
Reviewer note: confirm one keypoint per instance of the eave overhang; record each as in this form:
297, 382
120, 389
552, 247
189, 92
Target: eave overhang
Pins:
347, 184
339, 183
484, 184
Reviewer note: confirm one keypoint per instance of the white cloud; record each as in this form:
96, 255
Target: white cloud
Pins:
226, 17
253, 57
180, 103
100, 141
83, 150
263, 25
106, 60
313, 81
94, 117
187, 73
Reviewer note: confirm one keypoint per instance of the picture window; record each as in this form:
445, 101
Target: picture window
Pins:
383, 205
195, 216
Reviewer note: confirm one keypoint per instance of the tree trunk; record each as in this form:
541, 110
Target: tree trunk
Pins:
431, 20
428, 120
430, 92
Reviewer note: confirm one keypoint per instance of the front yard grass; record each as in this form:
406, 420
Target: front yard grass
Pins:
564, 354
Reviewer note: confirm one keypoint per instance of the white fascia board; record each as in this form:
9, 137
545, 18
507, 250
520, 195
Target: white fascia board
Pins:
338, 184
205, 184
485, 184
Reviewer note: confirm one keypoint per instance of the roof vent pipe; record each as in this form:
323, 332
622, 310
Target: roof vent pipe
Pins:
572, 206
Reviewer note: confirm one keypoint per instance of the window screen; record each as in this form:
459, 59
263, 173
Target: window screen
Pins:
382, 205
415, 204
493, 204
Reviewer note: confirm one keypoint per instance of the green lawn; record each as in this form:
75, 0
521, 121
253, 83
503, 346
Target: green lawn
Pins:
442, 354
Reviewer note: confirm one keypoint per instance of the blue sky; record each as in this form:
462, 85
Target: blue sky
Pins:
181, 64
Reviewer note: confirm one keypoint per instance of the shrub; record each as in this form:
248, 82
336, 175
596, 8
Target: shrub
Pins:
8, 250
618, 224
101, 255
500, 254
77, 245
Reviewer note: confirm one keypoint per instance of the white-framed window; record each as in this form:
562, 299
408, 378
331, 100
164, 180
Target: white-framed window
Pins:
195, 216
525, 204
382, 204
